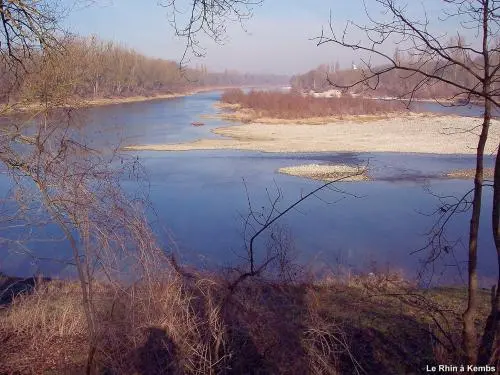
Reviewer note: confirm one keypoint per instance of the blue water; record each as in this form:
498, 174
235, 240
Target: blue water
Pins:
455, 109
199, 195
153, 122
199, 198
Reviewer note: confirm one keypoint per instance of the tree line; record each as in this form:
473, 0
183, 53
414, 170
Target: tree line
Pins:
380, 80
92, 68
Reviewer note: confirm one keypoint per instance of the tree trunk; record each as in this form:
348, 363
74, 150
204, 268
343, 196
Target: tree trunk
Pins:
469, 333
85, 281
492, 327
496, 205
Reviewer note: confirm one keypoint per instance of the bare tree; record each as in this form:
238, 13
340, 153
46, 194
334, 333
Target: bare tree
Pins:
256, 222
27, 26
78, 187
429, 57
79, 190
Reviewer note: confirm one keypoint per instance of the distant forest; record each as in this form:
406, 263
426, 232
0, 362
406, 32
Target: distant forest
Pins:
91, 68
393, 83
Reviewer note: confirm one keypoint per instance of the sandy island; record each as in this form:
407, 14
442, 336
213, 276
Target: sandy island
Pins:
417, 133
325, 172
468, 174
345, 173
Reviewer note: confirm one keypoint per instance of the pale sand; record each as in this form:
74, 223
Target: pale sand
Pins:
84, 103
6, 109
134, 99
327, 172
131, 99
412, 133
468, 174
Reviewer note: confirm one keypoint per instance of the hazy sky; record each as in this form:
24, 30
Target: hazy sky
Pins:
276, 40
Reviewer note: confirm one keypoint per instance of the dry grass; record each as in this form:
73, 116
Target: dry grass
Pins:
247, 116
189, 326
143, 329
278, 105
53, 309
43, 331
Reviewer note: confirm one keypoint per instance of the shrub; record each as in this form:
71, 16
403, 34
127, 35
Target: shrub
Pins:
294, 105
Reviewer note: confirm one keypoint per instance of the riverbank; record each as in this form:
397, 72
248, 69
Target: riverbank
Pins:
377, 323
7, 109
134, 99
10, 109
412, 133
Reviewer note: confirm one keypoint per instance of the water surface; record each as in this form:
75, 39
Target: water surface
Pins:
199, 198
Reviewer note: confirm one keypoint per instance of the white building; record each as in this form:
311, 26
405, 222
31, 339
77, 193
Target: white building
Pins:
327, 94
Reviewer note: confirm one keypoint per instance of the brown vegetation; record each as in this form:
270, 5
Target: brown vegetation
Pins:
295, 106
393, 83
370, 324
89, 68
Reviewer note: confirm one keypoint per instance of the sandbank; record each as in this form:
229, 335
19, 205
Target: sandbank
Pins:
412, 133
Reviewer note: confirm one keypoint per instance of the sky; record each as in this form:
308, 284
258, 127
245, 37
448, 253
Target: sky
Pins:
277, 39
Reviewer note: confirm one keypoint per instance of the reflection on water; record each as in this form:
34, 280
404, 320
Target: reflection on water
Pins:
199, 197
154, 122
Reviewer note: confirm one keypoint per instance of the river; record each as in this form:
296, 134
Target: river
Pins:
199, 198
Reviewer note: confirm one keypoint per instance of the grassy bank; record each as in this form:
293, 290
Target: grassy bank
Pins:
371, 324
